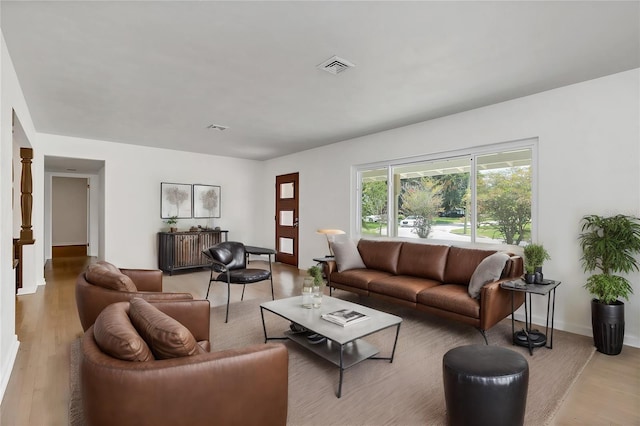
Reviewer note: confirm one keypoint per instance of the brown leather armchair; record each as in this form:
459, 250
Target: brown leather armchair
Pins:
103, 284
247, 386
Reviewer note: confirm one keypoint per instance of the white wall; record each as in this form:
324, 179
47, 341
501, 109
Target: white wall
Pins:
11, 98
69, 211
589, 163
131, 185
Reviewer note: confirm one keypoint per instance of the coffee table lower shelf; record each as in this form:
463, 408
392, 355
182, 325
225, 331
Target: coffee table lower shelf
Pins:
352, 353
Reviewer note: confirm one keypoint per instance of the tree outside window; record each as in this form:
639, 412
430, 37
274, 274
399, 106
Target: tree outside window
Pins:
504, 200
419, 199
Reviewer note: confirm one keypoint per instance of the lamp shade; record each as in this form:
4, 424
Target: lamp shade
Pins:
330, 231
330, 234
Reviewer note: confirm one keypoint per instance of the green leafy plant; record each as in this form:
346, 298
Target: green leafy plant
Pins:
608, 245
534, 257
172, 220
316, 273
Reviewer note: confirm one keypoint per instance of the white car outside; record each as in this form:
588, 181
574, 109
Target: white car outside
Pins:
408, 222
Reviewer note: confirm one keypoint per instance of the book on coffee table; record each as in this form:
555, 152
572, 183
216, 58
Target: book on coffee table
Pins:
345, 317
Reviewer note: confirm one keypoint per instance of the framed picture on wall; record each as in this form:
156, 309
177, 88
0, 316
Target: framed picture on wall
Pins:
206, 201
176, 200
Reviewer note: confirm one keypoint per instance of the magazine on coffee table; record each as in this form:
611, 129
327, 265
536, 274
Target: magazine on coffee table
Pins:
345, 317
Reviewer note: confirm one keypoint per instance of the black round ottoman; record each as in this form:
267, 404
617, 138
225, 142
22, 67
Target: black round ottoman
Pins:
485, 385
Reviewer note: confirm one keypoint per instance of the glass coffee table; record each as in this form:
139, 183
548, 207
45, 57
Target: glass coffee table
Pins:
344, 346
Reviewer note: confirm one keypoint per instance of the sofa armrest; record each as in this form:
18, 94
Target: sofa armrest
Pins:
243, 386
145, 279
495, 303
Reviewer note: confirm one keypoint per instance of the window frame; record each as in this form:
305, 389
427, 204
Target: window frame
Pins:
472, 153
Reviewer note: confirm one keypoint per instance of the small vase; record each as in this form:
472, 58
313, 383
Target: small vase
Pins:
530, 278
539, 277
307, 293
317, 296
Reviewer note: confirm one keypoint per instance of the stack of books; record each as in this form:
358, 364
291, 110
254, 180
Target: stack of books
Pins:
345, 317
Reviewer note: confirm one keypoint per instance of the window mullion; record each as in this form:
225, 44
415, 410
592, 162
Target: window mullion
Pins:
474, 202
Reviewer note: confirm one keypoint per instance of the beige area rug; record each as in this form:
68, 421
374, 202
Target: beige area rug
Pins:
408, 391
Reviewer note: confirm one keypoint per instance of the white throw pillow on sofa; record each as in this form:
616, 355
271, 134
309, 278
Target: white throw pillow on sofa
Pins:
347, 255
488, 270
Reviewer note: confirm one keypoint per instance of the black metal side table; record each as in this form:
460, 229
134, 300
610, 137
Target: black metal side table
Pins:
529, 337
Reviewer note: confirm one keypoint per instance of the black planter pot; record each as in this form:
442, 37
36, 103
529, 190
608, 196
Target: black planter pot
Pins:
530, 278
607, 322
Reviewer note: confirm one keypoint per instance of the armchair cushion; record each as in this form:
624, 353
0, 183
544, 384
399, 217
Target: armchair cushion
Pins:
106, 275
166, 337
222, 255
245, 276
116, 336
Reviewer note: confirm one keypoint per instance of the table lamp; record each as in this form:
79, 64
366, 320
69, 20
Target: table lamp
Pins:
331, 235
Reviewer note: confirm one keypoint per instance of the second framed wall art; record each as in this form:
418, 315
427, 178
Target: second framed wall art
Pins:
206, 201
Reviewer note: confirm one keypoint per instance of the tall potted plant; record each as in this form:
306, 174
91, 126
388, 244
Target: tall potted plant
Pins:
609, 245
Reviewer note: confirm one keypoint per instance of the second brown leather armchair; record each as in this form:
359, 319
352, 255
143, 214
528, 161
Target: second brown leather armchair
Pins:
103, 284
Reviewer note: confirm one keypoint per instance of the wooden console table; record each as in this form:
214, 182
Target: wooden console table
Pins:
183, 250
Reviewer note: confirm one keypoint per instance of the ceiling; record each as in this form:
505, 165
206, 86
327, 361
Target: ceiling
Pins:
158, 73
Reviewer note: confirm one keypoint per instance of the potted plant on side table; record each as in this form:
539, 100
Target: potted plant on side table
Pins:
609, 245
534, 257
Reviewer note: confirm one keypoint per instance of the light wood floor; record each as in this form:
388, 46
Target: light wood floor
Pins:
607, 392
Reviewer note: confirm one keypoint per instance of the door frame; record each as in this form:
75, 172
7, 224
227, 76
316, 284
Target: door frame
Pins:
292, 232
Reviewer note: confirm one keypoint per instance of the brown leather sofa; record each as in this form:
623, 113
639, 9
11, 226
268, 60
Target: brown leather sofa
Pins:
431, 278
102, 284
247, 386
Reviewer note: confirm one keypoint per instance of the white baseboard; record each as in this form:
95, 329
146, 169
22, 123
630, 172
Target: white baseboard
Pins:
7, 366
25, 290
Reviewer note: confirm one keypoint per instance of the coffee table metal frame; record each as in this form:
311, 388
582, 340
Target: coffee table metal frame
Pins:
344, 346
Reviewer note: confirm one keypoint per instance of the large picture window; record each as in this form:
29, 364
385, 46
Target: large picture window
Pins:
483, 196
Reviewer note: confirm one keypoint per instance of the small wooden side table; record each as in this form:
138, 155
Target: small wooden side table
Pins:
529, 337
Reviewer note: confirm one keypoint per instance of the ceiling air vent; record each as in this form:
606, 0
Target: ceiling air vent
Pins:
217, 127
335, 65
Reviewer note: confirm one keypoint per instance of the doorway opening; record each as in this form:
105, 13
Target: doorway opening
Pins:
74, 207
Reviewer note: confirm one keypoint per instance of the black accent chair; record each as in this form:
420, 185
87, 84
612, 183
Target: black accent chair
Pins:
229, 265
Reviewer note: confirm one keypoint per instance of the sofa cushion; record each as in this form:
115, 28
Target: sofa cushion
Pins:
380, 255
401, 286
166, 337
423, 260
452, 298
359, 278
106, 275
115, 335
347, 255
489, 270
462, 263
